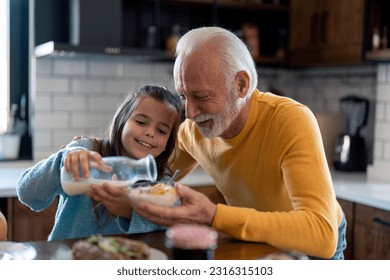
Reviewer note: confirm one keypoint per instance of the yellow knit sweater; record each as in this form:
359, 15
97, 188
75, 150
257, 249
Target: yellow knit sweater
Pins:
273, 175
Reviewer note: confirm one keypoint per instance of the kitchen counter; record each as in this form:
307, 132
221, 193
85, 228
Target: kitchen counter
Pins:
10, 171
357, 188
354, 187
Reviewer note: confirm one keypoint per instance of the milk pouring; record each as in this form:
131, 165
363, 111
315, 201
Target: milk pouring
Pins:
125, 172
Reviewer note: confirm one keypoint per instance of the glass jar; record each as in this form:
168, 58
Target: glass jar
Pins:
124, 171
191, 242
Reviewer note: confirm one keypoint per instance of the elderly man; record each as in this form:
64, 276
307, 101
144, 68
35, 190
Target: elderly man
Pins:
264, 152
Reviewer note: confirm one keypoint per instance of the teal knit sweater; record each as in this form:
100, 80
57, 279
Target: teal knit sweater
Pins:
39, 185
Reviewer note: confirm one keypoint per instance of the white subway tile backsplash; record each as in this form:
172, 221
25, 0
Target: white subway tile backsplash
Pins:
388, 72
306, 93
387, 112
70, 67
51, 120
382, 130
42, 138
132, 86
64, 137
140, 82
333, 106
87, 86
332, 92
43, 66
382, 73
107, 103
89, 120
52, 84
380, 112
119, 86
69, 103
352, 90
171, 86
138, 70
101, 132
378, 149
162, 70
387, 150
365, 70
383, 93
380, 171
43, 102
106, 68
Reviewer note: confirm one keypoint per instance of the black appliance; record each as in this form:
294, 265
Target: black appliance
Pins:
350, 153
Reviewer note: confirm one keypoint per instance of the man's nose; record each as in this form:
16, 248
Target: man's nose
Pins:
191, 109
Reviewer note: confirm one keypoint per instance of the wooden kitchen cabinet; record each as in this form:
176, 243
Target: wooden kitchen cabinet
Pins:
27, 225
138, 27
368, 232
326, 32
269, 20
378, 19
371, 233
349, 212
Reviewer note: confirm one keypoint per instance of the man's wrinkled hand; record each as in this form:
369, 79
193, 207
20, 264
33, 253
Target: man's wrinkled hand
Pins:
195, 208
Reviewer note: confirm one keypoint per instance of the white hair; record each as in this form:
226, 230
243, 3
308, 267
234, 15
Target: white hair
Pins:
233, 52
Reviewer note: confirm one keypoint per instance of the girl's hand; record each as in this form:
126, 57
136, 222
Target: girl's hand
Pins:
115, 199
83, 159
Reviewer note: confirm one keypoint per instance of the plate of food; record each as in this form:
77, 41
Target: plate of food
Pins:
17, 250
98, 247
158, 193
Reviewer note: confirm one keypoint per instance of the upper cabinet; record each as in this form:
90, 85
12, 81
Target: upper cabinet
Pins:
326, 32
151, 27
263, 25
278, 32
377, 47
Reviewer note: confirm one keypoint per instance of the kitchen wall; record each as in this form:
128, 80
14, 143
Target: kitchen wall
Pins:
78, 95
381, 167
321, 89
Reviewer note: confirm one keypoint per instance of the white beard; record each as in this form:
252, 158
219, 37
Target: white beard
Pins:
219, 123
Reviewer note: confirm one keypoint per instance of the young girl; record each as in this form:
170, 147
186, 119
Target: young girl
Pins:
146, 123
3, 227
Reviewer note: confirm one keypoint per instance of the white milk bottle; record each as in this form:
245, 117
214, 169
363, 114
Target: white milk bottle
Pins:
125, 171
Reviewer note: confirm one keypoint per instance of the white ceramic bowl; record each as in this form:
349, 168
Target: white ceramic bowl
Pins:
159, 193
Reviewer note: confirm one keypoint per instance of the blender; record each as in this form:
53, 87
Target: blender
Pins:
350, 153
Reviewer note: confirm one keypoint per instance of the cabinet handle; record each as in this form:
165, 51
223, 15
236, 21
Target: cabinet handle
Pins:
324, 23
381, 222
314, 28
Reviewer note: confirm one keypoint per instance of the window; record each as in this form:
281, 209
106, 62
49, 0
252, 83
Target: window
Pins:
14, 70
4, 64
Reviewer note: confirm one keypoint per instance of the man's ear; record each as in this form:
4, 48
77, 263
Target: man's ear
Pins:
242, 81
